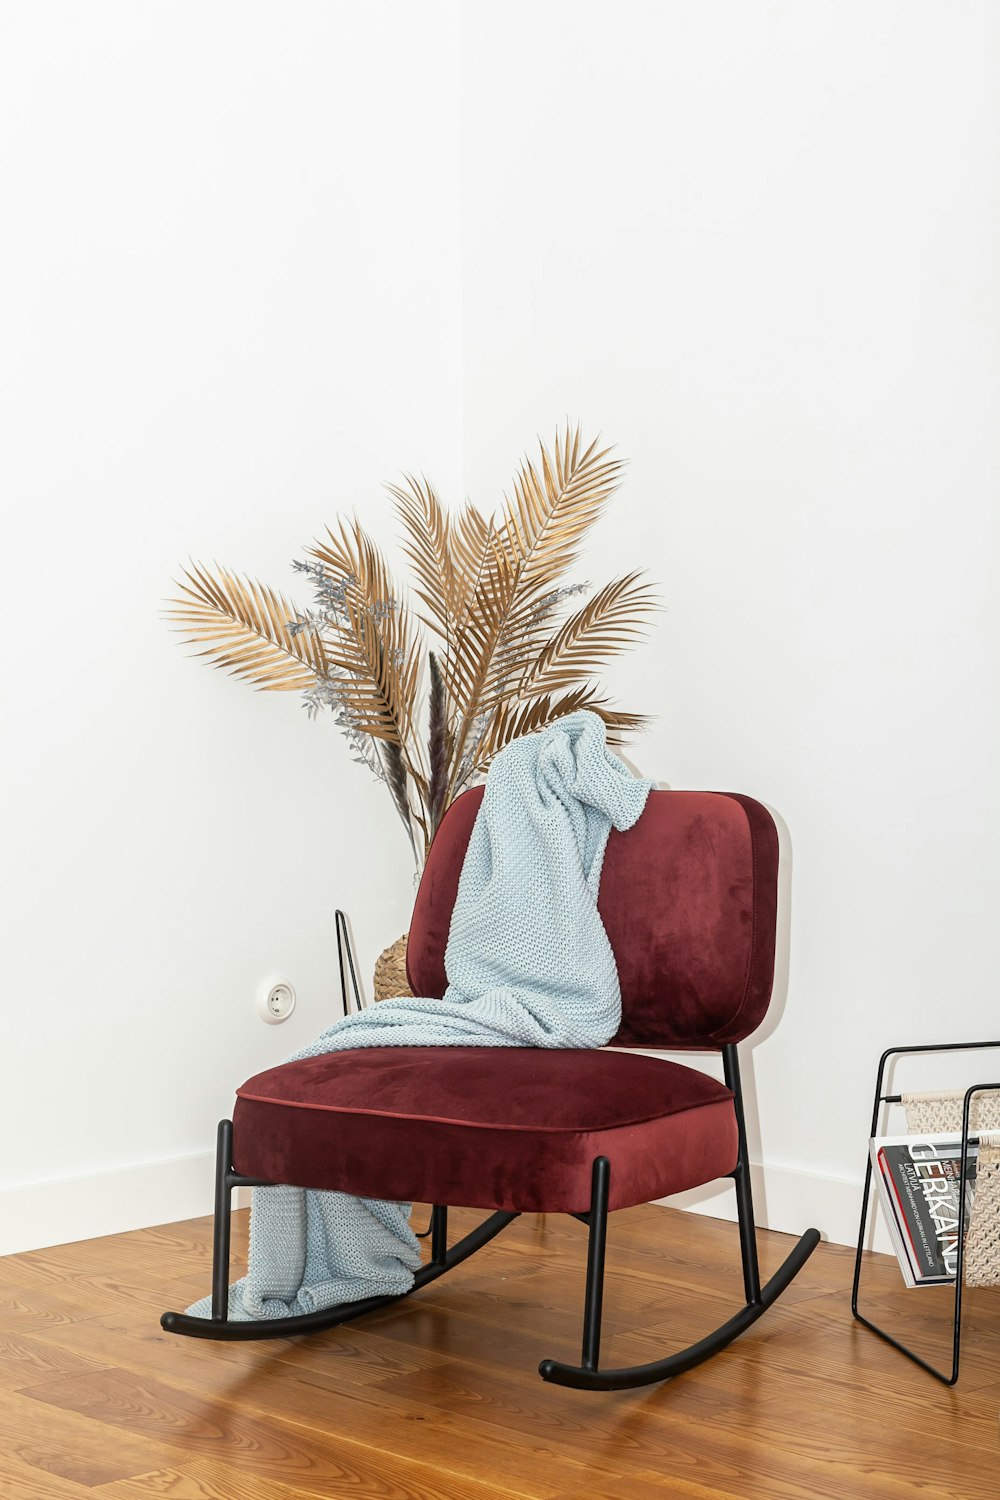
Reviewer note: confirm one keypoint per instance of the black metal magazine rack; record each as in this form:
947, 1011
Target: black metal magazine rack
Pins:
882, 1100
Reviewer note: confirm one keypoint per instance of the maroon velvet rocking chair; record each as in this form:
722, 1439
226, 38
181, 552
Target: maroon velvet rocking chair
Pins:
689, 899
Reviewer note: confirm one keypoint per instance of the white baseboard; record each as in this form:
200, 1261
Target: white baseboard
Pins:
61, 1210
790, 1200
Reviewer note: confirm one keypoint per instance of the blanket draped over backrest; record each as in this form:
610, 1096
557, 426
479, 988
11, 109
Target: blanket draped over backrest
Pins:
528, 965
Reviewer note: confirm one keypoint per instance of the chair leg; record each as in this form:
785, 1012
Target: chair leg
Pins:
439, 1234
587, 1375
741, 1176
222, 1230
596, 1243
220, 1326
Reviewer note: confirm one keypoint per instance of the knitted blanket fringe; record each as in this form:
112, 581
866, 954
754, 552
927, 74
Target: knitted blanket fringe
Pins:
528, 963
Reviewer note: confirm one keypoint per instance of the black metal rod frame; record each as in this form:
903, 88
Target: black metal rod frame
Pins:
346, 952
220, 1326
587, 1375
968, 1141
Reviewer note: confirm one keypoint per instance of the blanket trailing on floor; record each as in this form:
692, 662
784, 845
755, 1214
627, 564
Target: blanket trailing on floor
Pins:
528, 964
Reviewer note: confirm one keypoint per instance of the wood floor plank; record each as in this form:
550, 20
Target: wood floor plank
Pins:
522, 1412
845, 1374
714, 1267
923, 1320
665, 1430
827, 1339
439, 1398
622, 1434
272, 1385
657, 1268
18, 1482
70, 1448
30, 1309
660, 1485
352, 1357
190, 1484
366, 1477
139, 1268
310, 1441
882, 1439
25, 1360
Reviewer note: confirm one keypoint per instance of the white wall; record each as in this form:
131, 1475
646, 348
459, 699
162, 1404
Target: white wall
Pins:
757, 246
229, 274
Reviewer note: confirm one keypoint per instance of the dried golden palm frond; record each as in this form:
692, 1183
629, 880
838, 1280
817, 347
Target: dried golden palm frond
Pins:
246, 627
461, 580
554, 504
374, 648
441, 587
553, 507
609, 622
506, 660
516, 719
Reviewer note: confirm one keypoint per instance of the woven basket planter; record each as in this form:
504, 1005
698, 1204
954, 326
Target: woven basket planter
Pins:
390, 972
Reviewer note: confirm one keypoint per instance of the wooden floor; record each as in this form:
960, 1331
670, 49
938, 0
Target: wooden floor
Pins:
439, 1398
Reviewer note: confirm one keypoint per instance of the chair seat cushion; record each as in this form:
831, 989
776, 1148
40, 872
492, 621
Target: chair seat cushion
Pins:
513, 1128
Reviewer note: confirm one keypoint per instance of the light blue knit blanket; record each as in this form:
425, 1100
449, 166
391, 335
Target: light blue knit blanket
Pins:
528, 964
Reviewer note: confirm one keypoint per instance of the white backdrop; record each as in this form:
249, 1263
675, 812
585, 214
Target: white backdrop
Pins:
230, 271
258, 259
757, 246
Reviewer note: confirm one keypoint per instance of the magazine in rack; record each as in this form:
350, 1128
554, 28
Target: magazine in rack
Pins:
918, 1179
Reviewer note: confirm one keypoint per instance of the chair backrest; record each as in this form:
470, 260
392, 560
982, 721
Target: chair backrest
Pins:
689, 902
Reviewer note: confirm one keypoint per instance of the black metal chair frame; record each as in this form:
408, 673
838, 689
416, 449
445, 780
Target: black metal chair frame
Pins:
882, 1099
588, 1374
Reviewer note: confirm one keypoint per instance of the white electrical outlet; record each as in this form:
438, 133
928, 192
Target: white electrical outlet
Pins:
275, 1001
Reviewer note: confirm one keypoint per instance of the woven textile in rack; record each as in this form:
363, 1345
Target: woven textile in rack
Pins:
927, 1114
